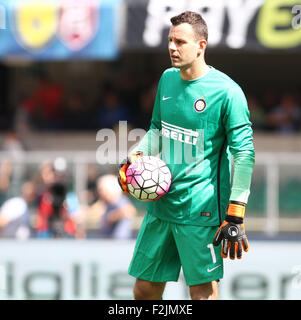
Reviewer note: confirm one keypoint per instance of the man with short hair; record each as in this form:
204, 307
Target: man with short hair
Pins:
200, 118
117, 218
15, 216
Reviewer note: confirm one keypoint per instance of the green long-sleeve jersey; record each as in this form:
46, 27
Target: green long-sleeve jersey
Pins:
196, 125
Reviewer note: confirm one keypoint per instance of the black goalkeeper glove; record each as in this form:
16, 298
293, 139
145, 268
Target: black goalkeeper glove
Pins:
232, 232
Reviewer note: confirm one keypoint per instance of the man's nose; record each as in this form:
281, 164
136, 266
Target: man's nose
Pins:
171, 46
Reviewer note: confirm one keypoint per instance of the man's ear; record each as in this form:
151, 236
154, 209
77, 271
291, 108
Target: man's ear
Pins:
202, 46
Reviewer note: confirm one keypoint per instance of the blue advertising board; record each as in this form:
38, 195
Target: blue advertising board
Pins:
58, 29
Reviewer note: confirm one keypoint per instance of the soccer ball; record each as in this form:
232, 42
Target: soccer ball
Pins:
148, 178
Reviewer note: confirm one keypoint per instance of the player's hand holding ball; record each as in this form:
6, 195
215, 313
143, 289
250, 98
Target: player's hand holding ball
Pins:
123, 168
146, 178
232, 232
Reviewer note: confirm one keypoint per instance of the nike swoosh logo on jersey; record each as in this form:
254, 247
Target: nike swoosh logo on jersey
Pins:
210, 270
166, 98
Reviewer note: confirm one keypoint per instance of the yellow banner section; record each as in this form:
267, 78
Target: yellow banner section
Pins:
277, 26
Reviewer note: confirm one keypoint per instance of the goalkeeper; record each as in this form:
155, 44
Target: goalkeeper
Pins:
200, 119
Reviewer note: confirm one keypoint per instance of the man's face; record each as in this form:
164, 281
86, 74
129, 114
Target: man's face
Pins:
183, 46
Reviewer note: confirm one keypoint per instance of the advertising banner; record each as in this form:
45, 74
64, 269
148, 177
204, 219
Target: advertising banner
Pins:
97, 269
252, 25
58, 29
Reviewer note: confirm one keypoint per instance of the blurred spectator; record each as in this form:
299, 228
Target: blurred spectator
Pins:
14, 214
257, 114
128, 88
270, 100
54, 218
90, 192
5, 179
112, 110
286, 117
76, 213
12, 144
144, 114
14, 149
44, 105
22, 122
75, 113
116, 220
93, 216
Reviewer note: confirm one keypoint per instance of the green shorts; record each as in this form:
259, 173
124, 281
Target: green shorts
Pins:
162, 247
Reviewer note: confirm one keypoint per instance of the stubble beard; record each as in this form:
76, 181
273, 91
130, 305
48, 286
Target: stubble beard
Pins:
174, 64
180, 65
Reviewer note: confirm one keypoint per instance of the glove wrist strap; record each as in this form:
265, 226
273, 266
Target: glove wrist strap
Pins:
236, 220
236, 210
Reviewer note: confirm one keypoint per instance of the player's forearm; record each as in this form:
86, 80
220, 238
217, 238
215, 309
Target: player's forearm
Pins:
243, 169
150, 144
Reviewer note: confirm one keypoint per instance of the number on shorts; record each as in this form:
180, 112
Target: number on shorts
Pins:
210, 246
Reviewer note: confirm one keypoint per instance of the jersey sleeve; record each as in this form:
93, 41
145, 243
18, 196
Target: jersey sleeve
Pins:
240, 141
151, 143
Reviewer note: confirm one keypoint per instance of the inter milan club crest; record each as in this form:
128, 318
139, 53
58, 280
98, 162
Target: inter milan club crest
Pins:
200, 105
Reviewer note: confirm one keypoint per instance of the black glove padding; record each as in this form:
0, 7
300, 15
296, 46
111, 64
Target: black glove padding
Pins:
233, 238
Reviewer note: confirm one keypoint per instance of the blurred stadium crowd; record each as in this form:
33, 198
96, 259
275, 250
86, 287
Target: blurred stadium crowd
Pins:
46, 206
51, 107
